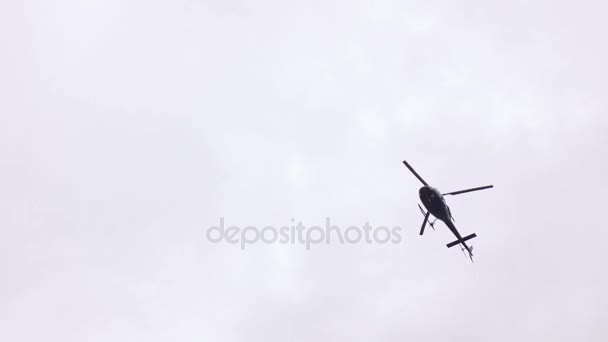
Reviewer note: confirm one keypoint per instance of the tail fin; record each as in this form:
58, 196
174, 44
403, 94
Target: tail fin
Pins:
468, 249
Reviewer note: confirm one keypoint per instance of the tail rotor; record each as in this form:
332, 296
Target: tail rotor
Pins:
464, 251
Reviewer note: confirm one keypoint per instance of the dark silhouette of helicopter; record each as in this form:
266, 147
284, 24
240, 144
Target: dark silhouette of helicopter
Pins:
435, 204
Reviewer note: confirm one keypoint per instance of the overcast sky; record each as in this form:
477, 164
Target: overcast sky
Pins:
127, 128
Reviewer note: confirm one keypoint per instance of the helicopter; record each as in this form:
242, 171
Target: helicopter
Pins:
435, 204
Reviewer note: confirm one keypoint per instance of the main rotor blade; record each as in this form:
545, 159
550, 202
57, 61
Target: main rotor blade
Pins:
426, 217
414, 172
469, 190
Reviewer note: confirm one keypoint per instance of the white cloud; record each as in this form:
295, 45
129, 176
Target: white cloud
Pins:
129, 127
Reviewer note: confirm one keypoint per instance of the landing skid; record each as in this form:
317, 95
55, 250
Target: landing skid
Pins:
424, 213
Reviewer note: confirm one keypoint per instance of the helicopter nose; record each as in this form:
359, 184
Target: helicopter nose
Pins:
425, 195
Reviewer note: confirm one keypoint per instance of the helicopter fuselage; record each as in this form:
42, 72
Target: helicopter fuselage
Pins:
433, 201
